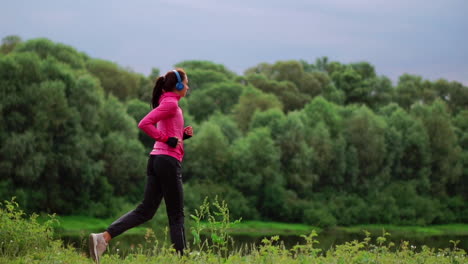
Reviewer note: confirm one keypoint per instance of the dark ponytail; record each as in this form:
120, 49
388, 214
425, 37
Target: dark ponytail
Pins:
157, 91
165, 83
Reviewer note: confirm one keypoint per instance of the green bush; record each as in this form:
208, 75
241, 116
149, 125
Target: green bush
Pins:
21, 235
349, 209
319, 216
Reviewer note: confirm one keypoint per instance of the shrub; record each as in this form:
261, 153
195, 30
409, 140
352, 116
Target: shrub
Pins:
319, 215
21, 235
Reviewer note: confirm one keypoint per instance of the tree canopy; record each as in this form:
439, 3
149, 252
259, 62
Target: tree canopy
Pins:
322, 143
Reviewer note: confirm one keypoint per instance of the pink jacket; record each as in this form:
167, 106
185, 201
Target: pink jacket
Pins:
169, 122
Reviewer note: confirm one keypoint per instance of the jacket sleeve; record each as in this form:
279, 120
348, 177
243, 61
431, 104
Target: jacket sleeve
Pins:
164, 111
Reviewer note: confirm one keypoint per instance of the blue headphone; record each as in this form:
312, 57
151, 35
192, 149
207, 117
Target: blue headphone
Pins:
179, 85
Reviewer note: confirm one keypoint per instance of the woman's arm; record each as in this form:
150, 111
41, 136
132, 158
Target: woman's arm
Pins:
163, 111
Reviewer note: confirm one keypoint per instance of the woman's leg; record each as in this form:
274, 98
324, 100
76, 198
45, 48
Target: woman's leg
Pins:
146, 210
171, 178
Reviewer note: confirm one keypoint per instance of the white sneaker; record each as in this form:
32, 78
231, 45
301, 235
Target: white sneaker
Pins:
97, 246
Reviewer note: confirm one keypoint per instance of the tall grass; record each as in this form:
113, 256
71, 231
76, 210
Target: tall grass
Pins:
19, 235
24, 240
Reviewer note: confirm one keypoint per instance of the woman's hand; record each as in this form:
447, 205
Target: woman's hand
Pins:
188, 132
174, 142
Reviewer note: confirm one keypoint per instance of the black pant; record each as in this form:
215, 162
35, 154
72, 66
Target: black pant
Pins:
164, 180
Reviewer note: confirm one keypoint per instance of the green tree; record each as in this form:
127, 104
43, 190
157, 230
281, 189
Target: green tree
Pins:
327, 88
320, 65
139, 109
323, 127
409, 207
57, 137
144, 90
209, 154
381, 93
274, 119
308, 83
228, 126
348, 208
286, 91
124, 163
217, 97
250, 101
445, 153
199, 79
410, 146
413, 89
365, 136
69, 141
461, 128
296, 156
288, 71
364, 69
9, 43
155, 73
114, 79
454, 94
352, 84
458, 97
320, 110
87, 97
45, 48
114, 117
192, 65
256, 172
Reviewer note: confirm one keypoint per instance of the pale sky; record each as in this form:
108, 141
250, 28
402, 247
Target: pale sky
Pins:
427, 38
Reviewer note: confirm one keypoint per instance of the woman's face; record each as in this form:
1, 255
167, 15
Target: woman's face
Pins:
183, 92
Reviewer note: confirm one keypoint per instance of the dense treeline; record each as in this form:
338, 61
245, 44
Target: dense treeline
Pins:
323, 143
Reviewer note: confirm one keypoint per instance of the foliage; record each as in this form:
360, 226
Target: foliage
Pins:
114, 79
59, 132
9, 43
216, 97
209, 142
250, 101
45, 48
323, 143
39, 247
19, 235
217, 223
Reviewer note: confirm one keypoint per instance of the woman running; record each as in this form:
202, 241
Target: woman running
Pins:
165, 124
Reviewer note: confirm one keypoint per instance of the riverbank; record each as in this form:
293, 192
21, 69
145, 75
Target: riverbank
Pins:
434, 230
74, 225
42, 248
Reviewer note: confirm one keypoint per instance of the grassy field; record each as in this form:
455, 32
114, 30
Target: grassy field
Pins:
27, 240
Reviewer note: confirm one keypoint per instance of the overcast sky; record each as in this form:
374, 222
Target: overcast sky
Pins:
427, 38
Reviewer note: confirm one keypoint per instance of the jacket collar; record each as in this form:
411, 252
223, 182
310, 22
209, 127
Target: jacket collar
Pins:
170, 94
